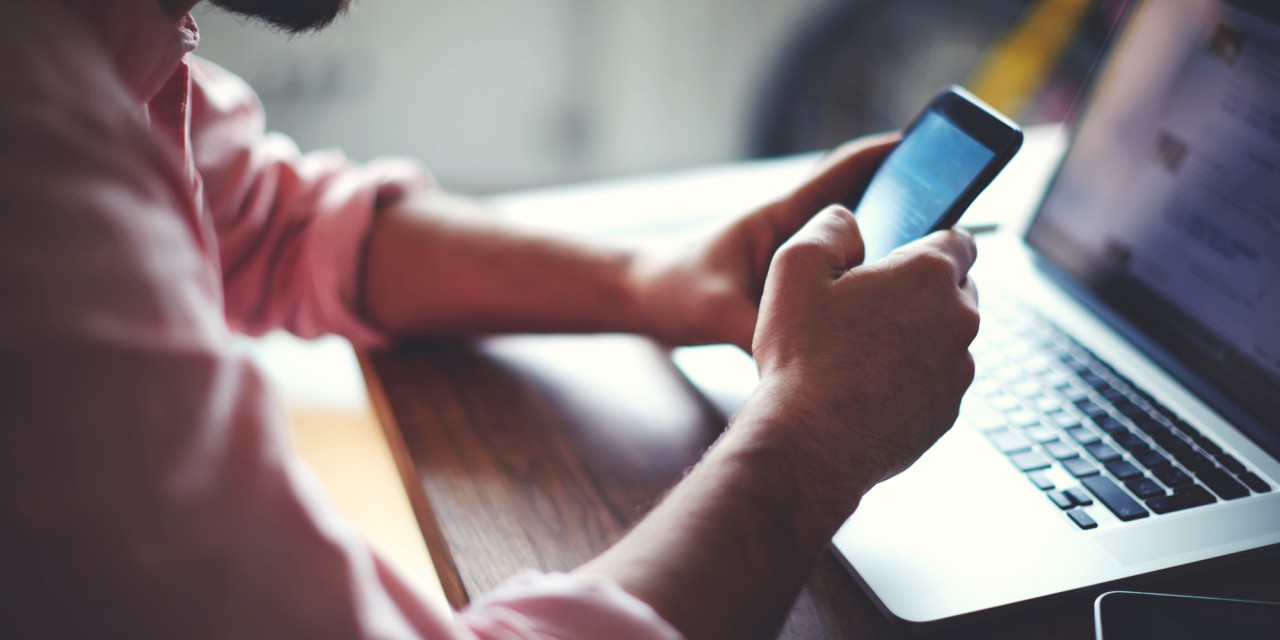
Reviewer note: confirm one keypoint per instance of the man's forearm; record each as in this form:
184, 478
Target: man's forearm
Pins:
440, 264
724, 555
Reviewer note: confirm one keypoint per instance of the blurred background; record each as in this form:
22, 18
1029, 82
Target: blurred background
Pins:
495, 95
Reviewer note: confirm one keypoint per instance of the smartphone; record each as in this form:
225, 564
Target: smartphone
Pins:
1131, 615
947, 156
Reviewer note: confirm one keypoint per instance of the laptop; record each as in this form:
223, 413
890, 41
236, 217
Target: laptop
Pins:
1125, 417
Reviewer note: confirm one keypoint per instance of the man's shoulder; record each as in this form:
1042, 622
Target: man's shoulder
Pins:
57, 72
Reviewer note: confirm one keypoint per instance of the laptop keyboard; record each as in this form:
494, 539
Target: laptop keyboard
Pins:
1084, 434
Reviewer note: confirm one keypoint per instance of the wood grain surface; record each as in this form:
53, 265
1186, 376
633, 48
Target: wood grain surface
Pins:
540, 451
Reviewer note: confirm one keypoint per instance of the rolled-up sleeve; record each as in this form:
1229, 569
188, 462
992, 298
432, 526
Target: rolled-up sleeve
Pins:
291, 227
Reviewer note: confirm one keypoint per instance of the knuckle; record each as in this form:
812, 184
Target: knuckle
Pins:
800, 254
935, 268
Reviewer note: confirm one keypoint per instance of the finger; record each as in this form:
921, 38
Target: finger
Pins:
972, 318
956, 245
827, 246
840, 178
970, 292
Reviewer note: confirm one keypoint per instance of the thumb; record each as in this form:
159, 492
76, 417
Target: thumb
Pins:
839, 178
825, 247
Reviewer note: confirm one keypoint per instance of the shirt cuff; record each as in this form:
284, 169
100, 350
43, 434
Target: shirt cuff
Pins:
342, 236
567, 607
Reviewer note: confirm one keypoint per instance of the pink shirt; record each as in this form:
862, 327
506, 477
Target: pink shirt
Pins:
147, 487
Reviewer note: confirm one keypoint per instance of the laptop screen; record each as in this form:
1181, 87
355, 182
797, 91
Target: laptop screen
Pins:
1167, 207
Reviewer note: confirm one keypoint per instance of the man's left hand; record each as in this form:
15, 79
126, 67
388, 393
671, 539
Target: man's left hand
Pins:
708, 291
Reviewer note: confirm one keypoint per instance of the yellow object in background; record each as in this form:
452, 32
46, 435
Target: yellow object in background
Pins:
1017, 66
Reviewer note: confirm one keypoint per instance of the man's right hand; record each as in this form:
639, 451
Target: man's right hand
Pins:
862, 366
862, 369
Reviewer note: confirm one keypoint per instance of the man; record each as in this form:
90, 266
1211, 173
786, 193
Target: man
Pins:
148, 490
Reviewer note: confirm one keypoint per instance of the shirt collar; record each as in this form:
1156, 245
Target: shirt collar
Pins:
145, 43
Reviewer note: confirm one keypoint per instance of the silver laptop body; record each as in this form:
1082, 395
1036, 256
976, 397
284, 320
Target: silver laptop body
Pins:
1156, 251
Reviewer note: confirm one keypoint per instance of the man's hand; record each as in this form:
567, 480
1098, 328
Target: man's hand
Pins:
865, 364
709, 291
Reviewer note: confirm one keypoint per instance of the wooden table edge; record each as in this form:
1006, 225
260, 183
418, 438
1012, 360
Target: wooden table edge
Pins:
429, 527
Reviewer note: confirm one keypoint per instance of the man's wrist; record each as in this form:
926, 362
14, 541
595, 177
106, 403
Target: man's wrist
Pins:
790, 444
640, 275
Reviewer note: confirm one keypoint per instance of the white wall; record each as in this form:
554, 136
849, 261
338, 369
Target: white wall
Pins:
498, 94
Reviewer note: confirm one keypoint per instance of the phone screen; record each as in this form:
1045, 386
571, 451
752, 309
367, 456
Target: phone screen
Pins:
920, 180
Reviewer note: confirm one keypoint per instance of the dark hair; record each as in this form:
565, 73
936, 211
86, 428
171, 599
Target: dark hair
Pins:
290, 16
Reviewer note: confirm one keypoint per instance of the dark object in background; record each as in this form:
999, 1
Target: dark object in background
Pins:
858, 66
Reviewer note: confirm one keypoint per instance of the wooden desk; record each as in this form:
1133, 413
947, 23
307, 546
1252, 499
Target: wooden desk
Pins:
541, 452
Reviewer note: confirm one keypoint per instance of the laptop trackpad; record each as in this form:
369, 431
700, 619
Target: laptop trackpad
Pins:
1197, 531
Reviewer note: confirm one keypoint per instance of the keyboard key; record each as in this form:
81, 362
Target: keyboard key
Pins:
1081, 519
1007, 441
1040, 433
1126, 407
1026, 389
1089, 408
1004, 402
1114, 498
1040, 479
1111, 394
1122, 469
1184, 498
1210, 447
1082, 435
1148, 425
1046, 404
1079, 496
1102, 452
1193, 460
1029, 461
1221, 483
1063, 419
1062, 500
1129, 440
1172, 444
1070, 391
1022, 418
1255, 482
1180, 425
1172, 476
1229, 461
1079, 467
1165, 438
1144, 487
1060, 450
1109, 424
1150, 458
1038, 365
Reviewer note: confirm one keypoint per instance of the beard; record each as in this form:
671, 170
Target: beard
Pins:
290, 16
